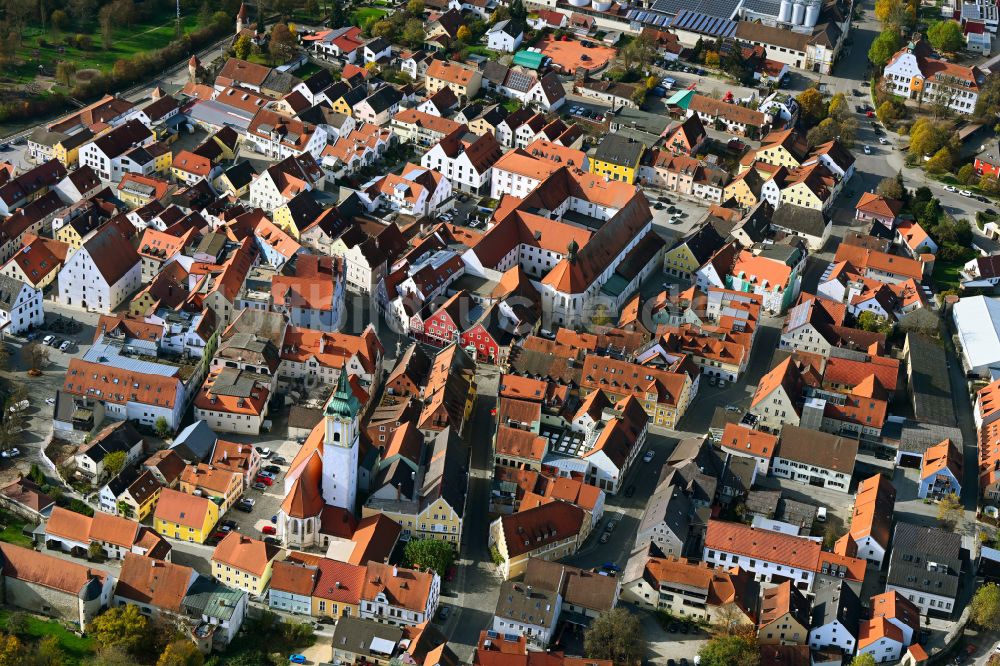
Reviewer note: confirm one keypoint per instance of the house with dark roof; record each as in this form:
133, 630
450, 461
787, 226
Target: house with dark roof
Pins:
117, 437
549, 531
926, 567
810, 224
815, 458
379, 107
101, 274
24, 497
836, 618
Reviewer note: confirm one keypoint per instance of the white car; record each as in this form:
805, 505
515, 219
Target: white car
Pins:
50, 401
950, 188
966, 193
65, 345
648, 457
264, 453
48, 340
12, 453
722, 383
868, 150
884, 141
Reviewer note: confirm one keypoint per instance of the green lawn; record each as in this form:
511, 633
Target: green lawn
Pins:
948, 274
127, 42
76, 648
11, 533
360, 17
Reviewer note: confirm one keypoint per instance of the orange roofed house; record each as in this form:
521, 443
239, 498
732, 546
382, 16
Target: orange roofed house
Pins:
689, 590
395, 595
550, 531
762, 552
40, 583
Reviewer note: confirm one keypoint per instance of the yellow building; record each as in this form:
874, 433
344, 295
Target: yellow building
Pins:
338, 589
138, 190
139, 499
549, 531
67, 150
243, 562
222, 486
744, 188
785, 148
464, 81
163, 157
185, 517
617, 158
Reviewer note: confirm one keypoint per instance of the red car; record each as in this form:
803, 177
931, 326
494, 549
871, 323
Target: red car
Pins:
266, 480
870, 114
268, 529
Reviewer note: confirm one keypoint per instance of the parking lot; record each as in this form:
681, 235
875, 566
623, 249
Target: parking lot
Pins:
41, 390
267, 501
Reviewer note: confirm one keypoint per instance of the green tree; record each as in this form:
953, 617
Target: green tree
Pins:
281, 46
59, 20
949, 511
988, 102
639, 96
114, 462
927, 137
415, 7
17, 623
429, 554
49, 653
338, 17
946, 36
414, 33
889, 111
181, 653
162, 427
869, 321
66, 72
967, 174
94, 550
384, 29
615, 635
243, 47
984, 610
10, 650
863, 660
730, 651
518, 12
838, 106
884, 47
811, 106
941, 162
895, 14
892, 187
122, 626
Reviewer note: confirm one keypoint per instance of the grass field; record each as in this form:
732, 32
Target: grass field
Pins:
127, 42
948, 274
76, 648
361, 16
11, 533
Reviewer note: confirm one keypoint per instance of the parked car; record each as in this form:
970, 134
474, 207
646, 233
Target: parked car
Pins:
266, 474
273, 541
48, 340
273, 469
966, 193
649, 456
297, 659
248, 500
274, 519
50, 401
259, 486
444, 612
278, 460
868, 149
884, 141
821, 514
950, 188
11, 453
722, 383
269, 529
266, 480
605, 537
19, 406
245, 508
65, 345
611, 525
229, 524
264, 452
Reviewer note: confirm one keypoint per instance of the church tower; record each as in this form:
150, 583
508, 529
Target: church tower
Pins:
241, 19
340, 446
